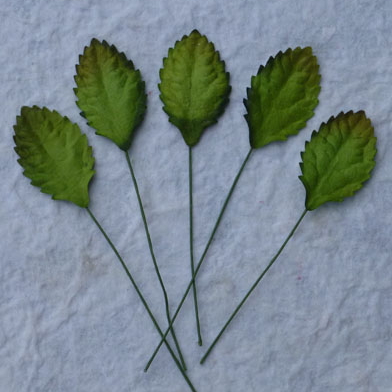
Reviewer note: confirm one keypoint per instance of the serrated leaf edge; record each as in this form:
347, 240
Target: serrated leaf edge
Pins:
130, 65
261, 68
89, 150
225, 99
315, 133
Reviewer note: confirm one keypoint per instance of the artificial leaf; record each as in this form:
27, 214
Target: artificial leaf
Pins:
338, 158
111, 93
54, 154
282, 96
194, 86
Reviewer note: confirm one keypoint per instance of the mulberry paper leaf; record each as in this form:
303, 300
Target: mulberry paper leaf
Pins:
282, 96
54, 154
111, 93
194, 86
338, 159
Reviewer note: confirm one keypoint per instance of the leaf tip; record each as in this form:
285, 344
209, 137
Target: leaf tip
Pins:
94, 42
195, 32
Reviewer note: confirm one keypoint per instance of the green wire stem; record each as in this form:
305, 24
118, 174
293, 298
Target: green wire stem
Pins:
253, 287
166, 298
199, 338
153, 319
199, 264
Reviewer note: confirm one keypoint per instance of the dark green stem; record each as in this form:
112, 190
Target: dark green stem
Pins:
166, 298
142, 299
200, 340
253, 287
199, 264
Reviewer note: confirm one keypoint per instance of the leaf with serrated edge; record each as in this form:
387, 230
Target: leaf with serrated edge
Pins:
54, 153
338, 158
282, 96
194, 86
111, 93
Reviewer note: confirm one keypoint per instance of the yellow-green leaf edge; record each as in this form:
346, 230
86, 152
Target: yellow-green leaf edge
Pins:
110, 92
338, 159
282, 96
54, 154
176, 87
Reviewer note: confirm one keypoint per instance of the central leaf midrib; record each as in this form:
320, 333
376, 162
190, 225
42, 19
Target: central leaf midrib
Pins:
331, 167
52, 158
274, 108
191, 84
113, 127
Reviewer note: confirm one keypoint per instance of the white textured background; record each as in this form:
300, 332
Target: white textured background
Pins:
321, 321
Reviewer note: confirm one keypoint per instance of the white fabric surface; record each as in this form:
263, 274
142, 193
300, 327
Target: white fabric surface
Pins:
321, 320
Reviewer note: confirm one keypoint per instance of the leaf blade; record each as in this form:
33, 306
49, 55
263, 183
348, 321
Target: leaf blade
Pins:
338, 159
194, 86
54, 154
110, 92
282, 96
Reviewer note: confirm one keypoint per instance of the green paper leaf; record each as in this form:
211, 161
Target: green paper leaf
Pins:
54, 154
194, 86
111, 93
338, 158
282, 96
